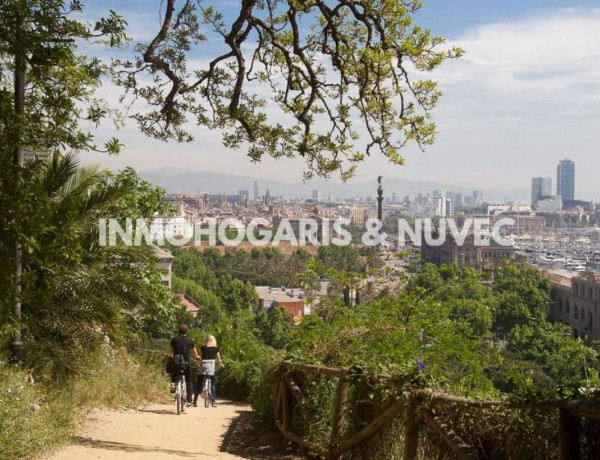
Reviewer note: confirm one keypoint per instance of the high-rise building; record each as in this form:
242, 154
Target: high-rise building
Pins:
458, 199
316, 195
565, 179
243, 196
477, 197
449, 211
256, 194
439, 206
540, 186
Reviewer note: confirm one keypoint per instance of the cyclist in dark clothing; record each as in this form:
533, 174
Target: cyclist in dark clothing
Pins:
209, 351
182, 345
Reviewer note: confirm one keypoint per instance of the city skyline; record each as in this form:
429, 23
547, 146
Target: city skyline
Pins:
522, 98
194, 183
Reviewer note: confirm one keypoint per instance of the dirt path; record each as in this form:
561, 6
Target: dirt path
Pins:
154, 432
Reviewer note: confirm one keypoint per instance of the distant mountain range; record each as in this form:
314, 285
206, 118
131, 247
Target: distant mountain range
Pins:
176, 180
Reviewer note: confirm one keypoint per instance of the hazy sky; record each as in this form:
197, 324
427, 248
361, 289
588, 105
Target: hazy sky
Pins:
525, 95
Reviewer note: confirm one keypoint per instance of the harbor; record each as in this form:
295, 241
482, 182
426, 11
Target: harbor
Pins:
569, 249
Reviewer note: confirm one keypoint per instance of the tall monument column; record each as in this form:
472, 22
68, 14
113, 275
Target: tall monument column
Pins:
380, 200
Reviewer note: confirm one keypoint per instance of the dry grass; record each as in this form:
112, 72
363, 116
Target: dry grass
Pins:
118, 380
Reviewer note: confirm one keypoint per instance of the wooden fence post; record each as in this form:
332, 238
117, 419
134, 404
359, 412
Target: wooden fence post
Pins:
286, 405
569, 430
338, 410
370, 429
411, 434
278, 398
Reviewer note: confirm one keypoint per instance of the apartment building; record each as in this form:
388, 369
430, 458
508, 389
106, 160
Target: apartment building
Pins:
576, 302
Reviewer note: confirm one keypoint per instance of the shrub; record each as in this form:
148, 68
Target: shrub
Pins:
117, 379
32, 419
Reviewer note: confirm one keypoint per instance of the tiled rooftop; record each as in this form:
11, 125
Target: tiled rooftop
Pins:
280, 295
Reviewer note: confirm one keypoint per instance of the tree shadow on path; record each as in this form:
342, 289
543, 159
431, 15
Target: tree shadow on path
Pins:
123, 447
245, 441
158, 411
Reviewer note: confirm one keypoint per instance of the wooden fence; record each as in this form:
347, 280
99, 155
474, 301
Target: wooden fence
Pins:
417, 405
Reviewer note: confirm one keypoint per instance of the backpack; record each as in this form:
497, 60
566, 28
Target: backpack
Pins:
177, 362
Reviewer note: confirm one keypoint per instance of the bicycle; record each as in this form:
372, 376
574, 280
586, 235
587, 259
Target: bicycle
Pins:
207, 370
180, 392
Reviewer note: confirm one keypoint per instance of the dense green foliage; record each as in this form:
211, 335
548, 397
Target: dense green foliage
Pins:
511, 309
267, 266
456, 329
338, 257
446, 319
443, 330
522, 297
140, 200
247, 341
73, 291
76, 293
217, 288
570, 363
452, 329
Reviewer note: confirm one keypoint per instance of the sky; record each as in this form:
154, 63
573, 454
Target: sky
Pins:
525, 95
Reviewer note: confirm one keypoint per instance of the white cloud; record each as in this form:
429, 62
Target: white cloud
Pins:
549, 60
525, 95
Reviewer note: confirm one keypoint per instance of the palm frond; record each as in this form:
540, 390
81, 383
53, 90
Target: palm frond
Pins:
57, 173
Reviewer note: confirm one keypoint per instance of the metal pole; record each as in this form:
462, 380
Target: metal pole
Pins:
379, 216
16, 345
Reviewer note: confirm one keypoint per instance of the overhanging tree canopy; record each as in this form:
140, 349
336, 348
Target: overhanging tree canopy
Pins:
321, 64
42, 40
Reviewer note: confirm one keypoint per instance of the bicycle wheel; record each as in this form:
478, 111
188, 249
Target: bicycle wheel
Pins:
206, 393
183, 395
178, 398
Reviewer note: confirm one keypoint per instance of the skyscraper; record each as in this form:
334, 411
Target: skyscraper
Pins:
256, 194
458, 199
449, 211
565, 179
540, 186
316, 196
243, 196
